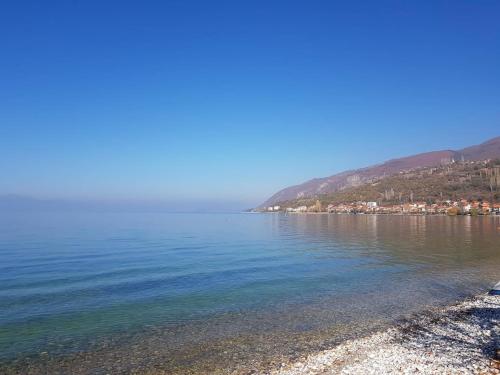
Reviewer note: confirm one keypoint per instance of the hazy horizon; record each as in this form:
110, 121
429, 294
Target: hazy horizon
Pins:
21, 203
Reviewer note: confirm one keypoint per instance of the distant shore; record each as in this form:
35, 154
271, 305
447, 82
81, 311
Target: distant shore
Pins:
459, 339
374, 214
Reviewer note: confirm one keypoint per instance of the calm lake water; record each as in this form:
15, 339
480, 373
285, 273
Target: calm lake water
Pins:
103, 292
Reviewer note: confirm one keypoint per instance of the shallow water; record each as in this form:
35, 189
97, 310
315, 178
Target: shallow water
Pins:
85, 293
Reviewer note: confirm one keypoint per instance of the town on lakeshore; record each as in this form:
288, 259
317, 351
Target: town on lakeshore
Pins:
448, 207
452, 188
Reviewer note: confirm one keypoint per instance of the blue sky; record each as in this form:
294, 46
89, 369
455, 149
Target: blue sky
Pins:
231, 101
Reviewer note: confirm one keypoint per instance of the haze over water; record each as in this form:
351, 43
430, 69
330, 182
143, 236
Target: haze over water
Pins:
201, 291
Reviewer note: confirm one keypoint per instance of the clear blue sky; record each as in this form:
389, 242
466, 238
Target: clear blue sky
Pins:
232, 100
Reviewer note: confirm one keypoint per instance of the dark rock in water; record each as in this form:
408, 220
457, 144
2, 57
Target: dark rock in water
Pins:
495, 291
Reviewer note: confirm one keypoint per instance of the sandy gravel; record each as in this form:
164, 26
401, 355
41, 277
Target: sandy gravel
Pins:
461, 339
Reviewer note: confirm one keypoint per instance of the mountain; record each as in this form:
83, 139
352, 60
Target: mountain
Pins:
487, 150
352, 178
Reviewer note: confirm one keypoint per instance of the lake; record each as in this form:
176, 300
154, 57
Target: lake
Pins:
92, 293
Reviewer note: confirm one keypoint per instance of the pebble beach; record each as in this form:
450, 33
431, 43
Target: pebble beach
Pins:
460, 339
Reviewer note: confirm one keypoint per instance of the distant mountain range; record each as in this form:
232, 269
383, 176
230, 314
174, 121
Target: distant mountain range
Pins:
14, 202
352, 178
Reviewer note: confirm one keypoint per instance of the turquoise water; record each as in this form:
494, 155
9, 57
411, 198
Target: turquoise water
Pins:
70, 281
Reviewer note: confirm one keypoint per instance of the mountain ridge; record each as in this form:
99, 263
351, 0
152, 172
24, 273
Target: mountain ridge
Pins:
489, 149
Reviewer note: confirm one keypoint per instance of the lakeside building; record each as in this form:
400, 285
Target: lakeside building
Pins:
447, 207
274, 208
297, 209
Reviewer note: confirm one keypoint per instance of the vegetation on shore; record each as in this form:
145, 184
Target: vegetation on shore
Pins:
478, 181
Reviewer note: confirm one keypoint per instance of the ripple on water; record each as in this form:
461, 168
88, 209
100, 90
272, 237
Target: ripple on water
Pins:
191, 291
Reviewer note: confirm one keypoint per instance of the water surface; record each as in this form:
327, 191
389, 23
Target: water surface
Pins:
100, 292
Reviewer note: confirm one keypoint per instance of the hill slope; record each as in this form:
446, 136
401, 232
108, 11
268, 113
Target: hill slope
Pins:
319, 186
470, 180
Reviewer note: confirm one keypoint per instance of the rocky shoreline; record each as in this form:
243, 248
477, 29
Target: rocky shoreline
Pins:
460, 339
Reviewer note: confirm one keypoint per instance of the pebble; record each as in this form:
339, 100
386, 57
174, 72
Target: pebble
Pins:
454, 340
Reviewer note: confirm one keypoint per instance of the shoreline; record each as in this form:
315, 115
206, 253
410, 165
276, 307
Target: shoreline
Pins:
463, 338
371, 214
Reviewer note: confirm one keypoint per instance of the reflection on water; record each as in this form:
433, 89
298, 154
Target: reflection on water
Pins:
195, 292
